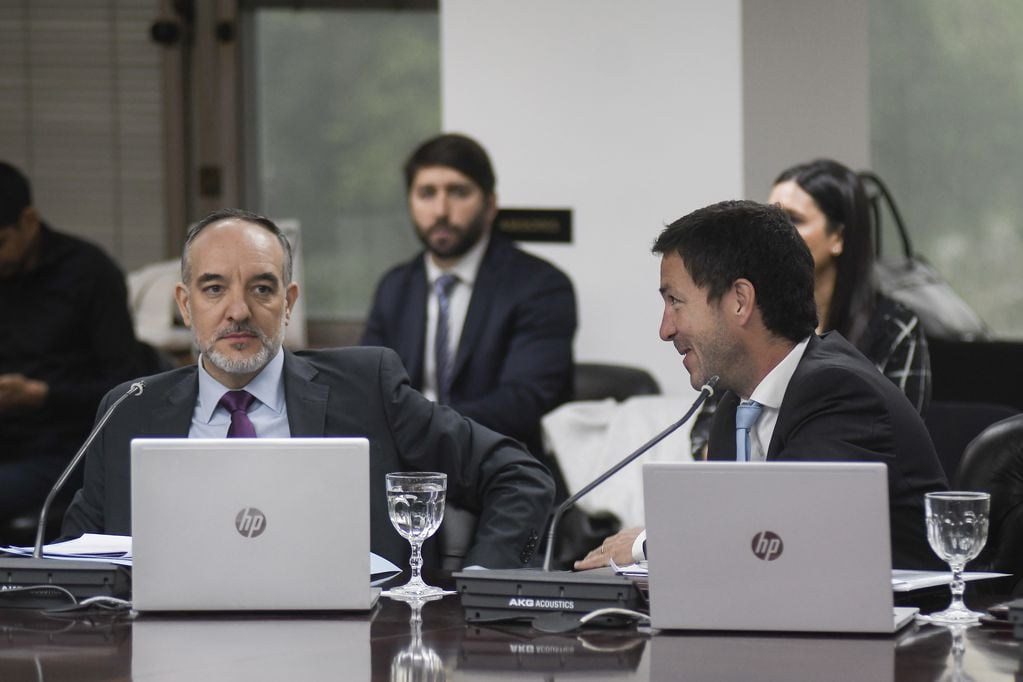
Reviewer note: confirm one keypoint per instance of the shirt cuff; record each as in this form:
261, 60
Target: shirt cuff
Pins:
638, 545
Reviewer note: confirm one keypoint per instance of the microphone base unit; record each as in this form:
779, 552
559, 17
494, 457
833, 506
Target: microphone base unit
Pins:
530, 594
27, 582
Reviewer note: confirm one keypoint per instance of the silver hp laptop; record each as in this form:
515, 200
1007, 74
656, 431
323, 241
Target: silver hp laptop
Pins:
777, 546
250, 524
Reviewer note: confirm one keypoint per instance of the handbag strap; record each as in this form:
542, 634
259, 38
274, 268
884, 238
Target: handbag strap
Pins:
877, 192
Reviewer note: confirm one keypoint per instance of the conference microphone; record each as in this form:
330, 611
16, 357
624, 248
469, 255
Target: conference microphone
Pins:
39, 576
706, 391
557, 600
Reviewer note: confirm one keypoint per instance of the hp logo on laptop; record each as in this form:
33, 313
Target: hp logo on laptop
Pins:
250, 522
767, 545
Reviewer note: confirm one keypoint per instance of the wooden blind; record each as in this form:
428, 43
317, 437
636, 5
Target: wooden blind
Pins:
80, 114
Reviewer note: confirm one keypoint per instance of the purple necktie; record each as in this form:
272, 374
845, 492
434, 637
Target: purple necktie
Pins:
237, 403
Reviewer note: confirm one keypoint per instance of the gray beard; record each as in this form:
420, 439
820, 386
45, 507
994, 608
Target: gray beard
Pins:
267, 351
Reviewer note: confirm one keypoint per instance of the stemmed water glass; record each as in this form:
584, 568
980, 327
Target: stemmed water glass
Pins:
415, 504
957, 524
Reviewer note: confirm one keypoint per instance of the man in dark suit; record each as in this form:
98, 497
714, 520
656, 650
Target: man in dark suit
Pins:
737, 283
236, 294
505, 318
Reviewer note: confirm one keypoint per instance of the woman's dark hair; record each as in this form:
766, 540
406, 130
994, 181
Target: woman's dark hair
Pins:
842, 199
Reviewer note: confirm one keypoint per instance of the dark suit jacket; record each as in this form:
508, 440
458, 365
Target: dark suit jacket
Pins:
514, 359
839, 407
344, 392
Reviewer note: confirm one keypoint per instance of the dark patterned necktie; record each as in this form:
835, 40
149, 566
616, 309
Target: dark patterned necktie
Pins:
238, 403
442, 344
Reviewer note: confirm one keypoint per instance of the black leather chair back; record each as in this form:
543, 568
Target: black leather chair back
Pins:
953, 424
579, 531
598, 381
993, 463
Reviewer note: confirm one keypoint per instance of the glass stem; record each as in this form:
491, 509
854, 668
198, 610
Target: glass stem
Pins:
416, 562
958, 586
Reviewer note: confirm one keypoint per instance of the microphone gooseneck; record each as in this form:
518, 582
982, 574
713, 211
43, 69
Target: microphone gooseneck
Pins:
135, 389
706, 391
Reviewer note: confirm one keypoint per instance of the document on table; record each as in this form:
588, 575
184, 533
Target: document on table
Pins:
380, 569
637, 570
907, 581
116, 549
902, 580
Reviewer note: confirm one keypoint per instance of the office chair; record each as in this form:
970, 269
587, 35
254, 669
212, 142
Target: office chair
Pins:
993, 463
598, 381
578, 532
953, 424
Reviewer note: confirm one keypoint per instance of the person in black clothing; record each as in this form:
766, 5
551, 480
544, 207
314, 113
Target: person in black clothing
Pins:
67, 338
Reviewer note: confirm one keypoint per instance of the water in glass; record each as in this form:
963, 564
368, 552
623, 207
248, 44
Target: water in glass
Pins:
415, 505
957, 524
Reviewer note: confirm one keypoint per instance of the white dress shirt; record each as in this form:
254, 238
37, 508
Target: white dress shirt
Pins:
770, 392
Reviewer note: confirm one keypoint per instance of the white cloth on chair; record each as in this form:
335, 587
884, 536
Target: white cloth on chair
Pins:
589, 437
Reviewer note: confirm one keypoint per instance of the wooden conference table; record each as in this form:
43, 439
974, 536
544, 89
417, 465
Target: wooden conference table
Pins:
385, 645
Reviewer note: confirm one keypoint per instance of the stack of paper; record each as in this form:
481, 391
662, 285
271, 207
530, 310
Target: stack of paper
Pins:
115, 549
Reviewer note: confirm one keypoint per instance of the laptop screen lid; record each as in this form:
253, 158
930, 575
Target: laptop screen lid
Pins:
250, 524
777, 546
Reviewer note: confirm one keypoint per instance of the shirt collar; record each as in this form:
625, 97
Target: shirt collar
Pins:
267, 387
466, 268
771, 390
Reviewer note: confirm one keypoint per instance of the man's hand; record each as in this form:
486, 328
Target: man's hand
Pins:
17, 390
617, 547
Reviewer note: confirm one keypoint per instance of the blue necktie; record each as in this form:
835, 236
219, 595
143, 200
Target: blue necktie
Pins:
442, 345
746, 415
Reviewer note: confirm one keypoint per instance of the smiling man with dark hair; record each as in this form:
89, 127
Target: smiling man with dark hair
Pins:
737, 286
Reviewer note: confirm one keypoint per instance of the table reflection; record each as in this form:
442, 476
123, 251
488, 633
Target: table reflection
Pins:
240, 648
417, 662
35, 646
513, 652
431, 641
769, 657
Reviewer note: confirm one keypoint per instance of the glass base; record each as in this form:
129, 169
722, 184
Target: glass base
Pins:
415, 590
951, 616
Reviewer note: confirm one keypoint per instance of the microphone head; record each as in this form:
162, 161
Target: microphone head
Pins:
708, 387
137, 387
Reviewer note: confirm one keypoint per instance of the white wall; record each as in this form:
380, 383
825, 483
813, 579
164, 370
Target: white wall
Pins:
629, 113
806, 86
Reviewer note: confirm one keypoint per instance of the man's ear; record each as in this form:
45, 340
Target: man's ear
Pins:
745, 300
181, 297
290, 296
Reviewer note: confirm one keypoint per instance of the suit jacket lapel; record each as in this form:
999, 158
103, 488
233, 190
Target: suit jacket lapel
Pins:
484, 291
306, 401
173, 417
411, 341
781, 426
721, 446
